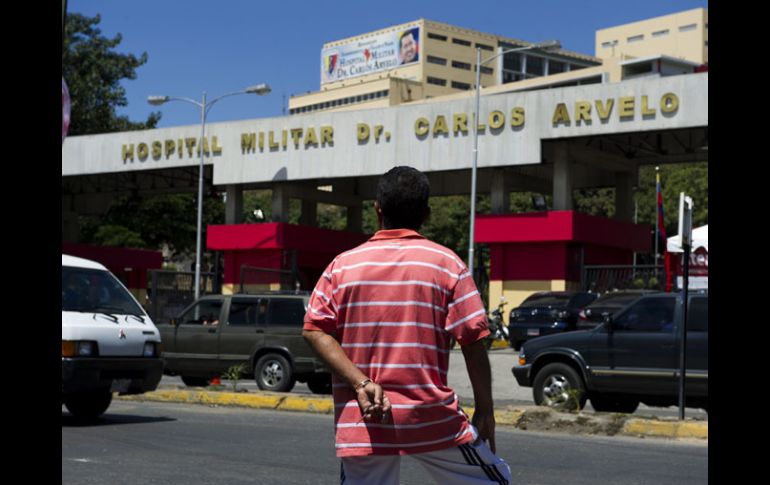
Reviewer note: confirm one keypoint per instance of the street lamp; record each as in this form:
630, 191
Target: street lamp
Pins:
259, 89
546, 45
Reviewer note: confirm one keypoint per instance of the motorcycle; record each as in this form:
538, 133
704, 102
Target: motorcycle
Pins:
497, 327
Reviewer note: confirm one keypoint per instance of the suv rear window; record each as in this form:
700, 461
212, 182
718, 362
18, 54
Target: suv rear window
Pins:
286, 311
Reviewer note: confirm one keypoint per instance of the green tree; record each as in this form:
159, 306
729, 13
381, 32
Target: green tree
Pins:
93, 72
153, 221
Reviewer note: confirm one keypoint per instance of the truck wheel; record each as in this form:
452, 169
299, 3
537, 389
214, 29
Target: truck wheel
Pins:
88, 405
195, 381
614, 404
273, 373
320, 384
558, 385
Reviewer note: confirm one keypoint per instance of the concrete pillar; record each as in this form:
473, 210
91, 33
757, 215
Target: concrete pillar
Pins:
562, 178
624, 196
234, 205
309, 216
500, 194
355, 218
280, 208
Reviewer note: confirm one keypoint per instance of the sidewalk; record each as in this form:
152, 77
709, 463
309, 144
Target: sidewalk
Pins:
534, 418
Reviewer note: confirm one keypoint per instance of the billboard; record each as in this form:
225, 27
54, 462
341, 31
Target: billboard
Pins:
377, 53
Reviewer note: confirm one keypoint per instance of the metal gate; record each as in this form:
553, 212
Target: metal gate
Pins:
599, 279
171, 291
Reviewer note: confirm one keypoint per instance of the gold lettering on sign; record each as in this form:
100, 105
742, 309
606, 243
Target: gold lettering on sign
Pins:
517, 117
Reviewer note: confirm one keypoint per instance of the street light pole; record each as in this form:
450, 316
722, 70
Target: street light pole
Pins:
551, 44
259, 89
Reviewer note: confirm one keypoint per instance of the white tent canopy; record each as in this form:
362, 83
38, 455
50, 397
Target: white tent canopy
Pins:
700, 239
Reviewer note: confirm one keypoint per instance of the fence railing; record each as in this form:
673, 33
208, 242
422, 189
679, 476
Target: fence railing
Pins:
605, 278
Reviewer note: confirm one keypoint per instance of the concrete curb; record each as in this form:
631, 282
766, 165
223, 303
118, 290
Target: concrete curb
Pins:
533, 418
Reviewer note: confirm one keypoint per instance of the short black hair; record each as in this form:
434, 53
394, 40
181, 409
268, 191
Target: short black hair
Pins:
403, 194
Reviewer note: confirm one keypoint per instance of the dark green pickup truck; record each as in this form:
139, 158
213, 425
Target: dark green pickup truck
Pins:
262, 331
632, 357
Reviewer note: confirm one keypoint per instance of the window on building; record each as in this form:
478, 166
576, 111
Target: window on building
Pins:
359, 98
555, 67
535, 65
485, 47
609, 44
487, 70
431, 35
436, 81
687, 28
635, 38
460, 41
437, 60
461, 65
660, 33
459, 85
511, 77
512, 61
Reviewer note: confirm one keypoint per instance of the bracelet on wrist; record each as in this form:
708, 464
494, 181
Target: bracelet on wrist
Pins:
362, 384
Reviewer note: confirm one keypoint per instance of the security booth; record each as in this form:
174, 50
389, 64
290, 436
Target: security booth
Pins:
545, 251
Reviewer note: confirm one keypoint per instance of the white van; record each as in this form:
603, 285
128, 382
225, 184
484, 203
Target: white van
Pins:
108, 343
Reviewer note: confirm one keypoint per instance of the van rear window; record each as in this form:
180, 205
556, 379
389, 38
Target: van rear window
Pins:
95, 291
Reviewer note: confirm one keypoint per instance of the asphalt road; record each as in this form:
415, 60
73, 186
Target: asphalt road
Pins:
175, 444
505, 389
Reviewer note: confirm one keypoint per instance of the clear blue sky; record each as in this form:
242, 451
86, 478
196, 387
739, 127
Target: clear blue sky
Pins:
226, 45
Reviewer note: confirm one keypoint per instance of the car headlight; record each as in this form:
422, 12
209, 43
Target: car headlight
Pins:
151, 349
78, 348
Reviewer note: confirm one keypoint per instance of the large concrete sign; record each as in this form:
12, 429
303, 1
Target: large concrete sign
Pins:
431, 136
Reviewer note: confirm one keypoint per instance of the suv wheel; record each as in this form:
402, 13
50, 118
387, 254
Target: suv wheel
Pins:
558, 385
273, 373
195, 381
614, 404
88, 405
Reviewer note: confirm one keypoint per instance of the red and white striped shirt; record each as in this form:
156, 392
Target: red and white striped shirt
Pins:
393, 303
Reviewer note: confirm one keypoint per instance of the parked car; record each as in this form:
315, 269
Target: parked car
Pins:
632, 357
108, 343
593, 315
263, 332
546, 313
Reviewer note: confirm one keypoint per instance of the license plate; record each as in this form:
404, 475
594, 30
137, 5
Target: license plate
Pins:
533, 332
120, 385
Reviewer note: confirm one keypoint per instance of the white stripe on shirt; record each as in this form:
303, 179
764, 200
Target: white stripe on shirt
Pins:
322, 295
398, 426
393, 386
321, 314
463, 298
354, 404
463, 320
392, 324
393, 303
402, 263
405, 445
378, 365
400, 247
397, 345
392, 283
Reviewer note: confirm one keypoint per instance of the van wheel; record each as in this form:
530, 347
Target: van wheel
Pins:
559, 386
88, 405
273, 373
320, 384
191, 381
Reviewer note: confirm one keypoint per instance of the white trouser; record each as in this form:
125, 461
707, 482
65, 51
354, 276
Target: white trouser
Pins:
464, 464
